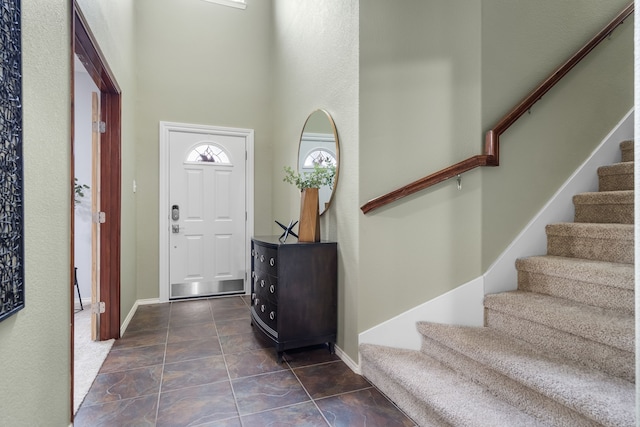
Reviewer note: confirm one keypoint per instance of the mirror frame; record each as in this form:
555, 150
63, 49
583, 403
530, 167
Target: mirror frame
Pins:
337, 142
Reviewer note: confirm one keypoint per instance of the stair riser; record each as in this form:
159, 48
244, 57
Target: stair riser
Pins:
588, 293
611, 250
595, 355
410, 404
615, 182
605, 213
626, 148
516, 394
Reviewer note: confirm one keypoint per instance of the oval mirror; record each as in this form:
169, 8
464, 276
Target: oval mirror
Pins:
319, 146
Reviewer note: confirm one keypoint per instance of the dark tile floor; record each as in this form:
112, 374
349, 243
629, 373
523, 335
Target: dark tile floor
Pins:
199, 363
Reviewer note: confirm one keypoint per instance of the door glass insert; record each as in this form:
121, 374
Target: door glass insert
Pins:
208, 153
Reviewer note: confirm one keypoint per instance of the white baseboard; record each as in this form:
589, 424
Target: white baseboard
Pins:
464, 304
532, 240
339, 352
137, 303
460, 306
355, 367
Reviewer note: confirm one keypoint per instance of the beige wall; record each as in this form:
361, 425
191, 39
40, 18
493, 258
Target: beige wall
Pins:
315, 65
201, 63
419, 112
35, 342
411, 90
434, 76
523, 42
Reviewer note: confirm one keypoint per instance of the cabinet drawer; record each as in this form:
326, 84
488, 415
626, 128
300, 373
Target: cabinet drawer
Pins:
267, 313
294, 292
265, 286
265, 259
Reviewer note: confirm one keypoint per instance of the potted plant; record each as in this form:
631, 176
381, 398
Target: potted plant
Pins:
309, 183
79, 190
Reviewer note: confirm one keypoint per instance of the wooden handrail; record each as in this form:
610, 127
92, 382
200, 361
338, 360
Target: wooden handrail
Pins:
491, 156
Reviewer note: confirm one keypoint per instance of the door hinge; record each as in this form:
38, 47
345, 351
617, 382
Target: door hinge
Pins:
99, 217
98, 308
99, 127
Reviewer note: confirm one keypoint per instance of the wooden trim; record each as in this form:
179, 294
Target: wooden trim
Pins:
87, 50
492, 138
427, 181
95, 207
110, 203
491, 156
91, 57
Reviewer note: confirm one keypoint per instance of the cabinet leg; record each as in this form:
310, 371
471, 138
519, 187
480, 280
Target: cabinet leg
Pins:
332, 348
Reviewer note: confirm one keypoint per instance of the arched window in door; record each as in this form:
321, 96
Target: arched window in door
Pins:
208, 153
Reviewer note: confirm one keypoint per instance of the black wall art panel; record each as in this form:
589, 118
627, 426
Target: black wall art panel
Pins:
11, 177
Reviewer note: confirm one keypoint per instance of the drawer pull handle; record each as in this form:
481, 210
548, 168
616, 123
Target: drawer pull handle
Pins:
253, 274
253, 252
262, 283
253, 296
261, 258
272, 288
272, 315
257, 301
262, 308
272, 262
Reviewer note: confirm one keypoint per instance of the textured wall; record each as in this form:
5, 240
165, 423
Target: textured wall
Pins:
201, 63
522, 43
315, 65
419, 112
434, 76
35, 343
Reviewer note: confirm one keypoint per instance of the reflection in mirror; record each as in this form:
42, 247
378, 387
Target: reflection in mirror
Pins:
319, 146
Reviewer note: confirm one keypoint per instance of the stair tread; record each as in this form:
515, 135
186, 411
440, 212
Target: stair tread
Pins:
606, 326
605, 399
613, 274
604, 197
592, 230
455, 398
616, 169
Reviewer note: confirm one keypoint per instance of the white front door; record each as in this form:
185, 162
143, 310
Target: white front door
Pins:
207, 213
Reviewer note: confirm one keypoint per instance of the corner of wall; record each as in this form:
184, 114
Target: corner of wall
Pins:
132, 312
464, 304
460, 306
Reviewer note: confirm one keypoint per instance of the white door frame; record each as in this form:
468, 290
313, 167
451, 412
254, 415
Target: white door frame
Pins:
163, 208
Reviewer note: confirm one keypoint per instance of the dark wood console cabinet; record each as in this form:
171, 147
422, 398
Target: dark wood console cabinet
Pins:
294, 291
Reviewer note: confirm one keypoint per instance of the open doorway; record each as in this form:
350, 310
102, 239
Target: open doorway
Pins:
105, 309
89, 352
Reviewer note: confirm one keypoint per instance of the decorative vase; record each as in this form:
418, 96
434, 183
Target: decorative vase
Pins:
309, 228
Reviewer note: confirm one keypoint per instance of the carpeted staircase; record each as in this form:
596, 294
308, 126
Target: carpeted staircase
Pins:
558, 351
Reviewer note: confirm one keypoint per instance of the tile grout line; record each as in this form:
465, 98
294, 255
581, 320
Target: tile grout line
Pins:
308, 394
164, 358
226, 366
